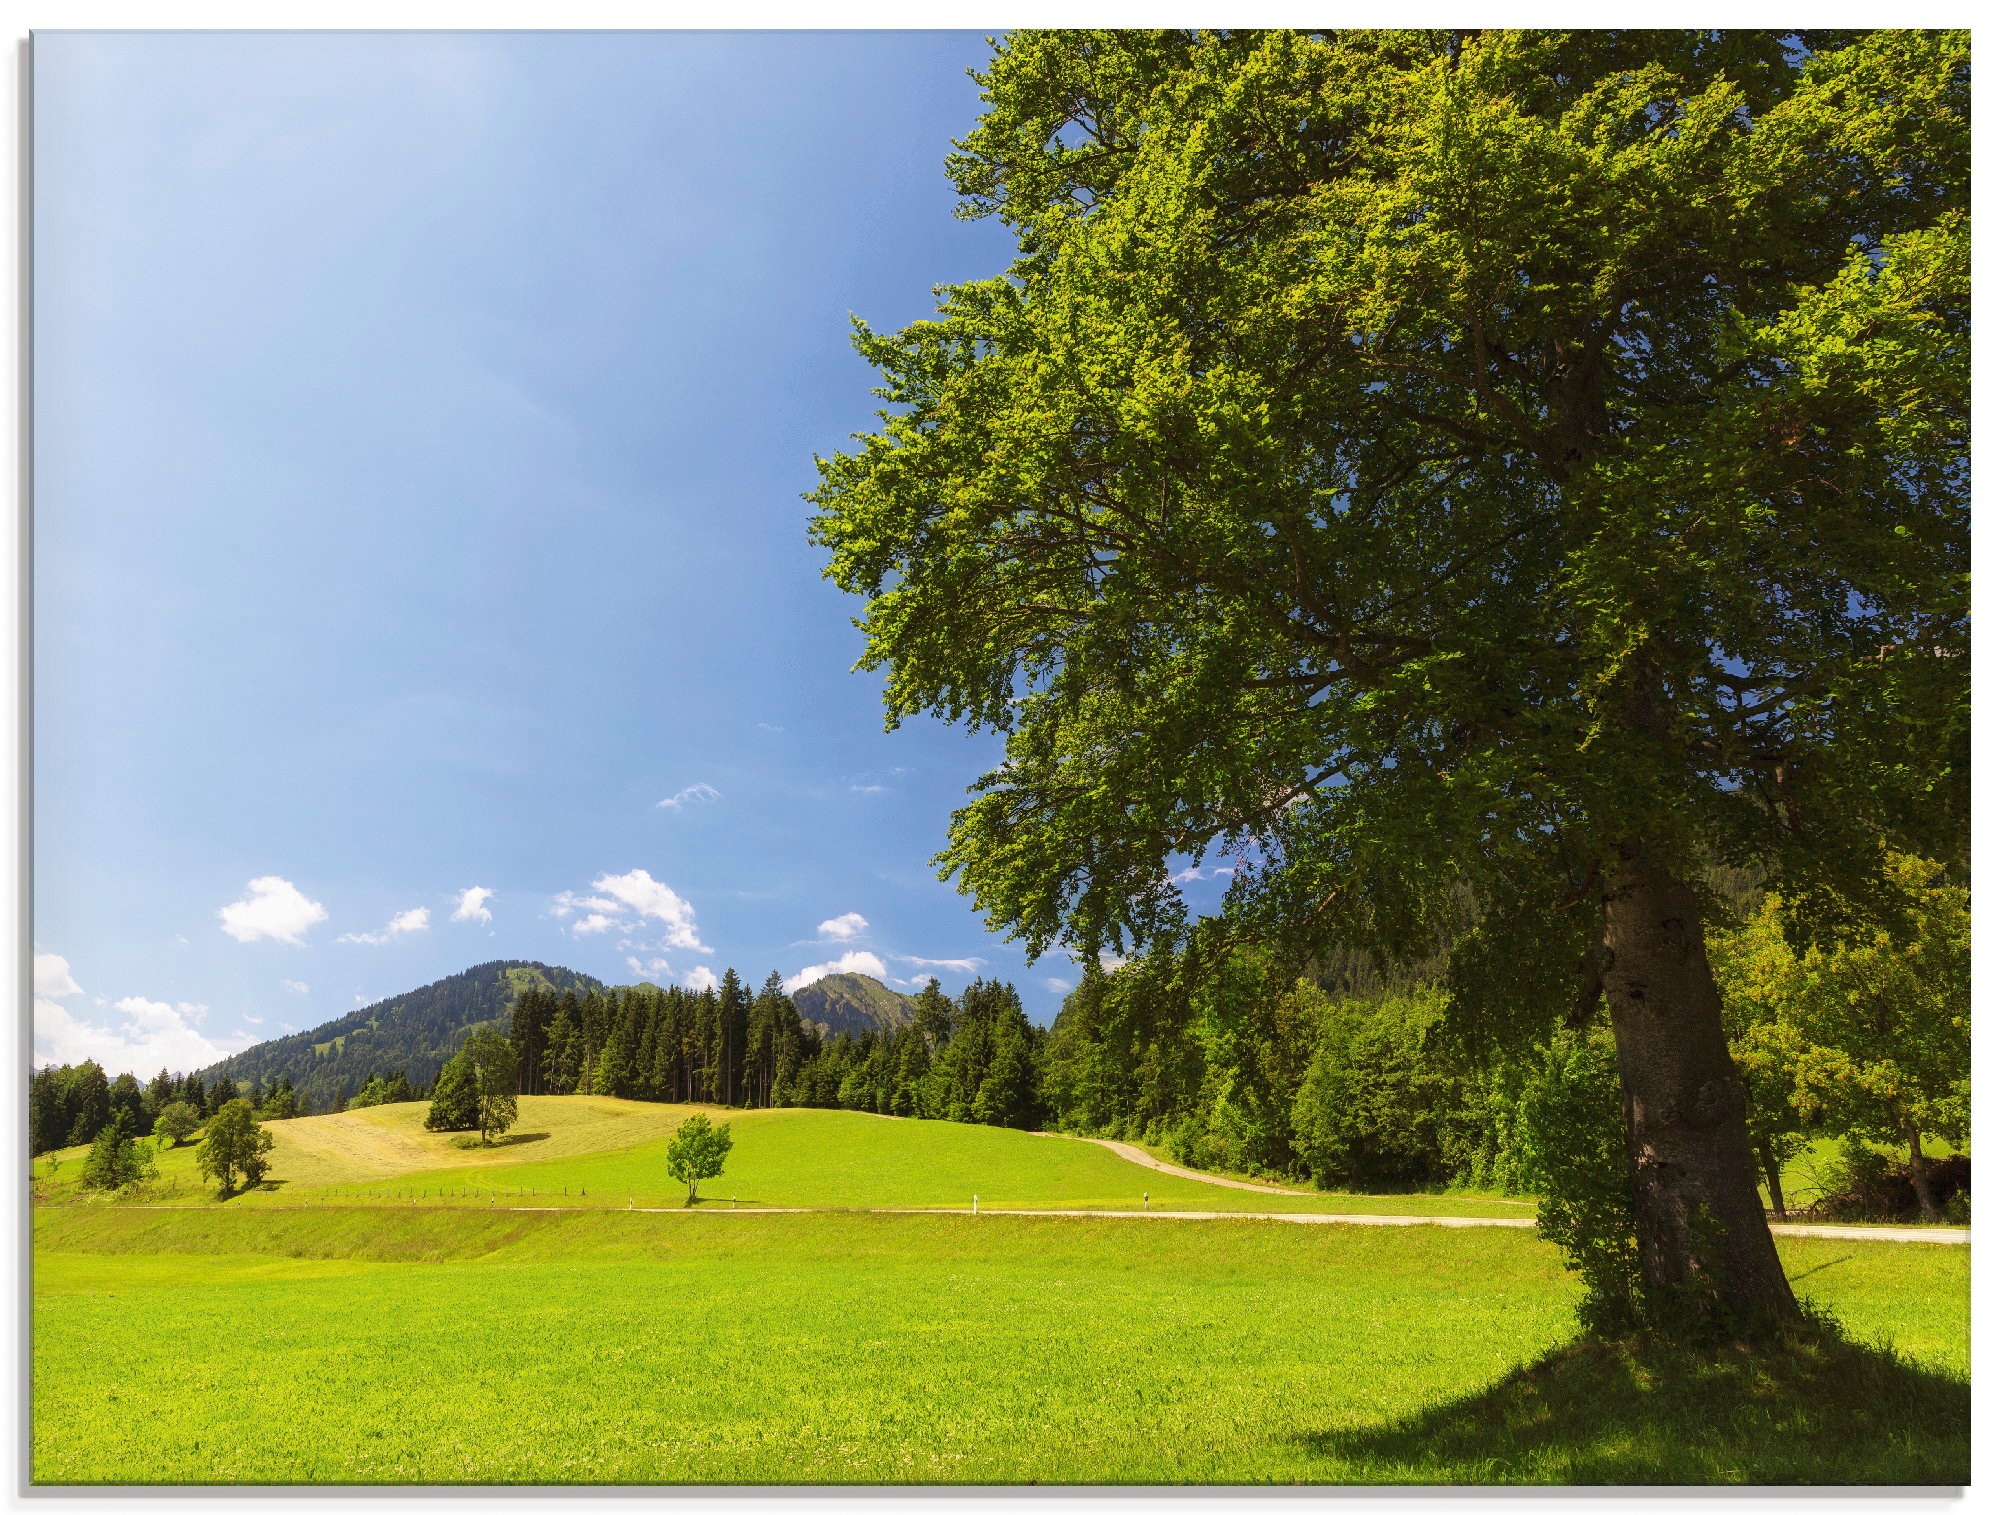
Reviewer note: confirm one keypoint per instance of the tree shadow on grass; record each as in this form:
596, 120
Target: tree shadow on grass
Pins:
510, 1139
1820, 1410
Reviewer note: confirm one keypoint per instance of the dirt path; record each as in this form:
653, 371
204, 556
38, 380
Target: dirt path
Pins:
1145, 1159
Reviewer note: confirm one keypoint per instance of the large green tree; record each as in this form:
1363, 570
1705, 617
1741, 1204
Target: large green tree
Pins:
234, 1147
495, 1072
1451, 473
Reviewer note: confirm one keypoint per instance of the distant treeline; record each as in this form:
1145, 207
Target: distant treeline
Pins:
69, 1105
973, 1058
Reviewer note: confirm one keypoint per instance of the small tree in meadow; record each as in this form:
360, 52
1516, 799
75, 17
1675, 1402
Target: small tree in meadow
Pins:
177, 1121
697, 1152
115, 1159
234, 1148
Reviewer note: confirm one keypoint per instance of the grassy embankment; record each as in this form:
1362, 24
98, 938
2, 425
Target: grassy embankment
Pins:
212, 1345
592, 1151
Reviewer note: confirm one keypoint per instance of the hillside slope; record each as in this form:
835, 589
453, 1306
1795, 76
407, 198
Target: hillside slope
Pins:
414, 1033
852, 1003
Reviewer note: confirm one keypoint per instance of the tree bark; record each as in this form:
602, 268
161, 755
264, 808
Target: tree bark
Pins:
1920, 1172
1704, 1244
1773, 1178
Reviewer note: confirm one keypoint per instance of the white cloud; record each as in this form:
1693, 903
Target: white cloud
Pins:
295, 986
868, 788
955, 964
275, 908
767, 726
704, 792
1190, 875
150, 1035
590, 925
255, 1020
699, 977
52, 978
843, 928
1060, 985
847, 962
418, 919
637, 894
652, 969
472, 906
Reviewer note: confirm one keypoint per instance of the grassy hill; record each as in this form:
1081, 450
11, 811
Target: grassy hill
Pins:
604, 1150
413, 1033
852, 1003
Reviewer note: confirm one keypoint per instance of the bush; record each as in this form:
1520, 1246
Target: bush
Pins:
1569, 1140
1867, 1186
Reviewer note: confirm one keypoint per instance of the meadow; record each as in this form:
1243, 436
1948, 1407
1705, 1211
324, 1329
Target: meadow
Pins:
612, 1347
499, 1316
590, 1150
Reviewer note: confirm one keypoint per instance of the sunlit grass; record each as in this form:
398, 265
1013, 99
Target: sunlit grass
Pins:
611, 1347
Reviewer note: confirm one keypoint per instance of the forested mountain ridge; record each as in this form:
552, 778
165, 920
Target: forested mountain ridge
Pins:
412, 1033
852, 1003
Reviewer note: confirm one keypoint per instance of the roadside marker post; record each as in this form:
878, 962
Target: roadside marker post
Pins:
975, 1204
1145, 1201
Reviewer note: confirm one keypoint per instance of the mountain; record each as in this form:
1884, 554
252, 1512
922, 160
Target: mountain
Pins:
853, 1003
414, 1033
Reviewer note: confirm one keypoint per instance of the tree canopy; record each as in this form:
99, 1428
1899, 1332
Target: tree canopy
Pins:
698, 1151
233, 1148
1450, 474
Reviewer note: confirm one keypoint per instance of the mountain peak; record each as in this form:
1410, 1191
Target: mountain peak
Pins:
852, 1003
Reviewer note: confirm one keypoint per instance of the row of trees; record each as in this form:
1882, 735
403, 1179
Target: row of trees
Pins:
69, 1105
973, 1058
1867, 1038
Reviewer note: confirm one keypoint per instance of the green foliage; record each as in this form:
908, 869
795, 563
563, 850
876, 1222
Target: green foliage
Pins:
493, 1078
1873, 1033
455, 1097
1428, 468
378, 1090
698, 1151
67, 1106
177, 1121
234, 1147
115, 1159
280, 1101
1379, 1107
1569, 1137
977, 1059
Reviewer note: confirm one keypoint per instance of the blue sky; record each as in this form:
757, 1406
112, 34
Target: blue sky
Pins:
420, 427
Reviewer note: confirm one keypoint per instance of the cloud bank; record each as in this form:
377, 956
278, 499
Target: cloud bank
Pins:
150, 1035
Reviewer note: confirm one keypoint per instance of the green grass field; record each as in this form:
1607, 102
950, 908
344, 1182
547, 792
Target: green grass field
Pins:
373, 1344
599, 1151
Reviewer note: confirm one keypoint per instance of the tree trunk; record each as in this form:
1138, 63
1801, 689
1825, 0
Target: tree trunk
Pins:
1920, 1172
1773, 1178
1704, 1244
